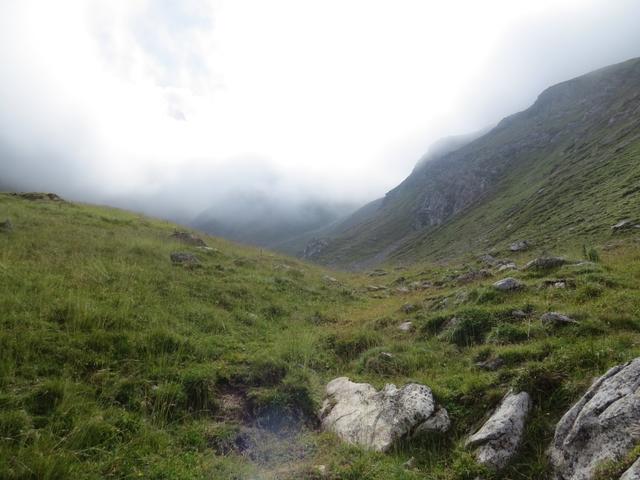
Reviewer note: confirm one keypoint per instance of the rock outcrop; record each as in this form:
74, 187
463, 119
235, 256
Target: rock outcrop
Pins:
603, 425
498, 439
184, 258
361, 415
519, 246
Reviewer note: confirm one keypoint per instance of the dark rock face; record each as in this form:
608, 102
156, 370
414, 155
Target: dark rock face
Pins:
601, 426
314, 248
183, 258
188, 238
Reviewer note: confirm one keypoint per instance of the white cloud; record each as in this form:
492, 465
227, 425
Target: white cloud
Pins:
336, 98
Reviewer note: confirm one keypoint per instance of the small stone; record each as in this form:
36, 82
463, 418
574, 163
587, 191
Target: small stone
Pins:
559, 285
519, 246
556, 318
519, 314
329, 279
405, 326
507, 266
322, 470
508, 284
402, 290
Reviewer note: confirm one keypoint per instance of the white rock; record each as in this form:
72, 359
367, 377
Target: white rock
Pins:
498, 439
405, 326
633, 472
360, 415
601, 426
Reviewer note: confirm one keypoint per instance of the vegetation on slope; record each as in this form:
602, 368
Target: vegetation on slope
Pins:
565, 169
115, 363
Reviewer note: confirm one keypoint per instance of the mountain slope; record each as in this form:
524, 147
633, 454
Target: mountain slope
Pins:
116, 362
565, 169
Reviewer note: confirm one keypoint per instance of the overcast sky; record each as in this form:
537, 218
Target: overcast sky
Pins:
170, 106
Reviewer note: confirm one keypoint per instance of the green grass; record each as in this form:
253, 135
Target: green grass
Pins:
114, 363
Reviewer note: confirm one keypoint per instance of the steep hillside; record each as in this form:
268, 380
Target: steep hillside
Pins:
564, 170
121, 359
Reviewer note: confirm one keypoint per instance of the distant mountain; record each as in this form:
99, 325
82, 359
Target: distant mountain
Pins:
564, 170
259, 219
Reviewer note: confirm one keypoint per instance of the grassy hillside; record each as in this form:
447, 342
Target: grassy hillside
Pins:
115, 363
558, 174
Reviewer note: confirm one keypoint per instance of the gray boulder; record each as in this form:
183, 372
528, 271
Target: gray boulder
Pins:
544, 263
498, 439
508, 284
633, 472
601, 426
361, 415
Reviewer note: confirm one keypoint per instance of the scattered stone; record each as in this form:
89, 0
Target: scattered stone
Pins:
633, 472
6, 226
560, 285
376, 288
409, 307
545, 263
491, 364
519, 314
508, 284
498, 439
602, 426
359, 414
387, 355
322, 470
623, 225
208, 249
507, 266
555, 318
405, 326
184, 258
519, 246
330, 279
402, 290
473, 276
377, 273
420, 285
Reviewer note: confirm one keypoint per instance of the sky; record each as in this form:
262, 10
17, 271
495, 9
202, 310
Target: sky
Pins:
174, 107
